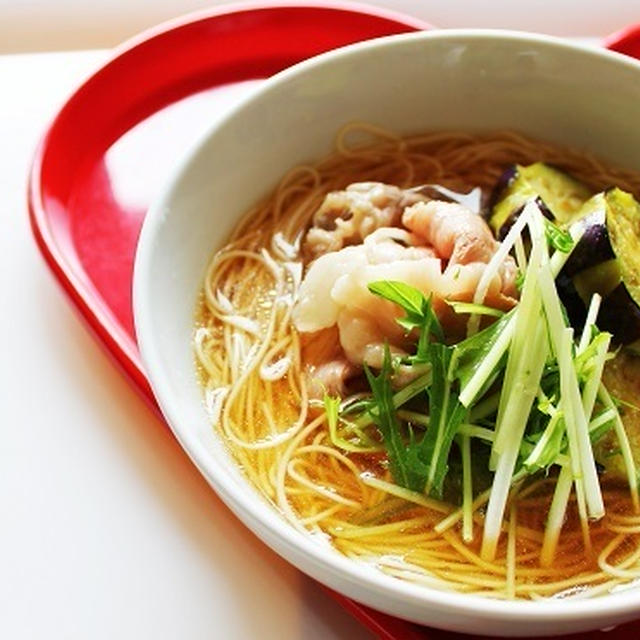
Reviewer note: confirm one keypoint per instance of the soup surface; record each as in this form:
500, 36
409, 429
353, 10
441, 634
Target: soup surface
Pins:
288, 355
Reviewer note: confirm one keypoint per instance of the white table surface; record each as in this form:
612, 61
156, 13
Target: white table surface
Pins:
106, 528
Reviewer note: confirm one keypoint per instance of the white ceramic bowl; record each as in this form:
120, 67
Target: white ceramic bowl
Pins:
466, 80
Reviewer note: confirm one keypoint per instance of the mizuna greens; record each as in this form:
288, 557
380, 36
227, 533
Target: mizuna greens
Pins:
525, 388
465, 432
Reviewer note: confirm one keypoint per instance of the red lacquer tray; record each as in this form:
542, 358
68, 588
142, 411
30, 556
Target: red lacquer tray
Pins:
114, 142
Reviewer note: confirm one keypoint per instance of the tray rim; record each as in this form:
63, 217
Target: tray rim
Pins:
119, 345
116, 340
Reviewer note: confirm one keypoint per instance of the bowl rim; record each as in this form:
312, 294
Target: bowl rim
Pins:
245, 501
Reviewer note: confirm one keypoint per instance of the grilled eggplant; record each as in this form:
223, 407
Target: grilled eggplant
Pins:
559, 196
606, 260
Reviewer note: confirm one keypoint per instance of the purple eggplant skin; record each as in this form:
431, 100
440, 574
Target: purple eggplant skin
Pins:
504, 181
620, 315
546, 212
510, 221
573, 303
594, 266
593, 247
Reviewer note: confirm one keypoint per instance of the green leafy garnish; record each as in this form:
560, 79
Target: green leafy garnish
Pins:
471, 307
601, 429
523, 391
420, 314
446, 415
469, 359
558, 238
546, 445
418, 464
406, 468
356, 440
332, 411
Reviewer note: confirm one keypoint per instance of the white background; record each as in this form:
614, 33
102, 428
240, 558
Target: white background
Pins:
106, 529
42, 25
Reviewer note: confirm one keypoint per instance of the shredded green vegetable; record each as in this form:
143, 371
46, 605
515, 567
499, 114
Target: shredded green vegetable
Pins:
520, 390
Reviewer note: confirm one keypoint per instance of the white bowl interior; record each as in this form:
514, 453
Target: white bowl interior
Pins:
460, 80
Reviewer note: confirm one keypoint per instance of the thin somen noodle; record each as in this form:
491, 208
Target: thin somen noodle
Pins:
250, 362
